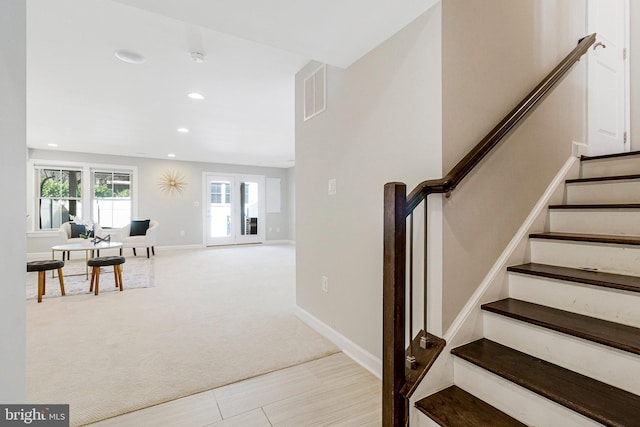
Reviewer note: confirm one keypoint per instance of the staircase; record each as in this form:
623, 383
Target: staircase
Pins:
564, 348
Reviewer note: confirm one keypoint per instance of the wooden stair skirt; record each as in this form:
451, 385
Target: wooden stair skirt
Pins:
577, 304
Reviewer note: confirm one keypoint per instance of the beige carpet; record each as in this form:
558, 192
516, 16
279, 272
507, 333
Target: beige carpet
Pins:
215, 316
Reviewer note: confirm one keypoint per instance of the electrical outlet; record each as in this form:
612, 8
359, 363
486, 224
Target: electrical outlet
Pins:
325, 284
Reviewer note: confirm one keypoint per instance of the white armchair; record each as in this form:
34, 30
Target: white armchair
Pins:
147, 240
66, 235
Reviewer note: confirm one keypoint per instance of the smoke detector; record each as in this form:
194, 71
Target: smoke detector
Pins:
197, 57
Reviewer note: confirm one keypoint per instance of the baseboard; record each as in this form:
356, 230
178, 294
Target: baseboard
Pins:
348, 347
179, 247
47, 255
280, 242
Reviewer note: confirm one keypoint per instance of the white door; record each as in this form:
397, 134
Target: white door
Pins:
251, 207
607, 100
220, 210
235, 209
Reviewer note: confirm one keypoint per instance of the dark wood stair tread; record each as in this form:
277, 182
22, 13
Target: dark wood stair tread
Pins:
610, 156
603, 179
594, 399
589, 277
454, 407
592, 238
611, 334
599, 206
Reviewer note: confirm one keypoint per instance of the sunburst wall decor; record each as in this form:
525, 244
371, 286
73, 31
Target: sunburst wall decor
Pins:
172, 182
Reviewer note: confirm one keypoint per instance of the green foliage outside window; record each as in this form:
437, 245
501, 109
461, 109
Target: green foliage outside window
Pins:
105, 191
59, 196
53, 189
56, 183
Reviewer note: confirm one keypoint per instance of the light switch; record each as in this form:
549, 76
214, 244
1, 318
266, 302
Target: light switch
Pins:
333, 187
325, 284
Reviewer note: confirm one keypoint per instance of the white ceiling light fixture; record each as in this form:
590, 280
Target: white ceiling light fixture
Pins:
183, 130
197, 57
197, 96
129, 57
52, 145
171, 155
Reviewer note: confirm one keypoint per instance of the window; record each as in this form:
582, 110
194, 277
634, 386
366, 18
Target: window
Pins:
70, 191
216, 193
59, 196
111, 206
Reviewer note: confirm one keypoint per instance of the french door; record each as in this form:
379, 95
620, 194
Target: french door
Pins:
234, 209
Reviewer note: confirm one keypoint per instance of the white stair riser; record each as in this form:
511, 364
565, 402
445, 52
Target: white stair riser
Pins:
627, 191
516, 401
611, 167
621, 370
622, 259
595, 301
617, 222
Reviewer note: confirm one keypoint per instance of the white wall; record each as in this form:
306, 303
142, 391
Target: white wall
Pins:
12, 171
291, 192
494, 52
634, 57
382, 124
176, 213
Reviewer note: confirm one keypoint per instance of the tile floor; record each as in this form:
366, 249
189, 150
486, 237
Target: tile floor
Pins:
332, 391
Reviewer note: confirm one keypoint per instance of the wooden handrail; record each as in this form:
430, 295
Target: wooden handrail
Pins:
401, 373
479, 152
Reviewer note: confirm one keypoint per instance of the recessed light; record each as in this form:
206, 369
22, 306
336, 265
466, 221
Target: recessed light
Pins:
183, 130
129, 57
195, 95
52, 144
171, 155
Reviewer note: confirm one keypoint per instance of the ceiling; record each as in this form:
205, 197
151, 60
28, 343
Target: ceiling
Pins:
81, 98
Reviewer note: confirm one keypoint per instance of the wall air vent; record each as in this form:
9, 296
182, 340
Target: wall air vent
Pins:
315, 93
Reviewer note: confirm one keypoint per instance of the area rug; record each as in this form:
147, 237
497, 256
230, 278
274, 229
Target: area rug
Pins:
214, 317
137, 272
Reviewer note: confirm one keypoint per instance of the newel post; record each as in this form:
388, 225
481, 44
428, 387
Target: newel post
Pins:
394, 406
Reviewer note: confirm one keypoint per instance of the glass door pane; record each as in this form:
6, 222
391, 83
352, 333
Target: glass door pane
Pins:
249, 208
220, 211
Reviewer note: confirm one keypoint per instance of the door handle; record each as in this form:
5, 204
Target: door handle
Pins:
597, 45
